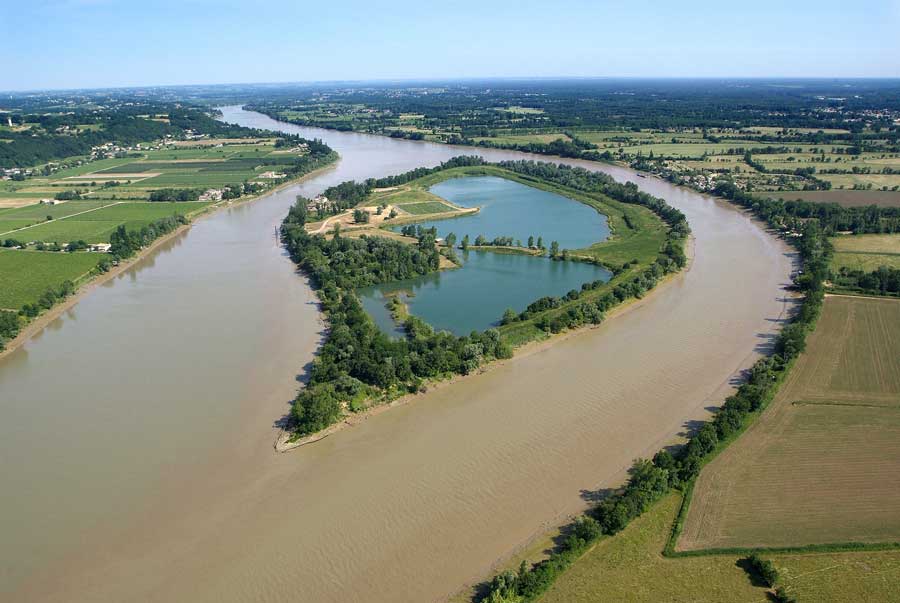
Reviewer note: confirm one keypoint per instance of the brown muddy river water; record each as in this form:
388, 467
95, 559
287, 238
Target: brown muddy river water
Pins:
136, 431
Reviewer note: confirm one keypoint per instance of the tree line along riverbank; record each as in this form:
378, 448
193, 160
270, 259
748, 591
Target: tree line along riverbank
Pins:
359, 365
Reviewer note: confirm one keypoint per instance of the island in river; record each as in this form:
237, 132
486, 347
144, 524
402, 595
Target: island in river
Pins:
361, 366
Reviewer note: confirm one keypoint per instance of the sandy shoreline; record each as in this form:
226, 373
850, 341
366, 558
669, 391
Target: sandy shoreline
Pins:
282, 443
40, 323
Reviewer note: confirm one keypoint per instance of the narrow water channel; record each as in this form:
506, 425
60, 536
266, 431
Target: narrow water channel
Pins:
136, 430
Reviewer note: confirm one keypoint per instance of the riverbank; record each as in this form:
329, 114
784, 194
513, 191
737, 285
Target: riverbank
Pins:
40, 322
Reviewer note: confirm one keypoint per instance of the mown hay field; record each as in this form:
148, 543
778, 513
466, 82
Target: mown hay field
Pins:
631, 567
822, 464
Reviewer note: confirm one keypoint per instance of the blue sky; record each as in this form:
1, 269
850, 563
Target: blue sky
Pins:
98, 43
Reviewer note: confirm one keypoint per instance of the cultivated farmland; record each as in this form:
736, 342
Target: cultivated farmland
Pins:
209, 163
822, 465
27, 274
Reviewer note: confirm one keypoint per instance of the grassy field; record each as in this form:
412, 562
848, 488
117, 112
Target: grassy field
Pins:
27, 274
432, 207
866, 252
91, 221
406, 194
822, 464
630, 567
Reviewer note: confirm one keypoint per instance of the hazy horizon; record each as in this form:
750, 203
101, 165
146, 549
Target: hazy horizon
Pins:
97, 44
383, 82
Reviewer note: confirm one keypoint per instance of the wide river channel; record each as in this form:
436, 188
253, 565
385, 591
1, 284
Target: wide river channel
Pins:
136, 431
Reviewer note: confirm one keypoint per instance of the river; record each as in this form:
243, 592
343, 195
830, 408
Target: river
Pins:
136, 430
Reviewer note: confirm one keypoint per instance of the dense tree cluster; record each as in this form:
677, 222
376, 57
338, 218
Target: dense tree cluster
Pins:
356, 351
175, 194
48, 299
9, 326
884, 280
125, 243
68, 195
559, 148
764, 568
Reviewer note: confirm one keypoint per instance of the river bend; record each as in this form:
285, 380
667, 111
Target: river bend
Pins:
136, 430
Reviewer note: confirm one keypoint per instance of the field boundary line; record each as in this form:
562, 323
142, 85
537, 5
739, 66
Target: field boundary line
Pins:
838, 403
842, 292
866, 252
832, 547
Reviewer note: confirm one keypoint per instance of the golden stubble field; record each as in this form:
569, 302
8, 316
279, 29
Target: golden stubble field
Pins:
822, 465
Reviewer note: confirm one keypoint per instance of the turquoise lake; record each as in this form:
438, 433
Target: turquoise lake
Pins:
475, 296
510, 209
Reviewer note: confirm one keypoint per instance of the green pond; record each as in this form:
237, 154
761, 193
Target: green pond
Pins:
475, 296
